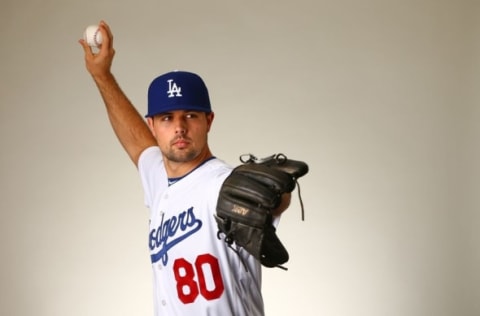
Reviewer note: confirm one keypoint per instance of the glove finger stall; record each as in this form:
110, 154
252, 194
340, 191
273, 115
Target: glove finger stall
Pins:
241, 187
295, 168
270, 177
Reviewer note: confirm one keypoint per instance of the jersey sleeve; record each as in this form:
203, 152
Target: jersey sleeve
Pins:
152, 173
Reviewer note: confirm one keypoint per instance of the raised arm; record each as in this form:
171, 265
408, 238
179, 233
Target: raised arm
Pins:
129, 126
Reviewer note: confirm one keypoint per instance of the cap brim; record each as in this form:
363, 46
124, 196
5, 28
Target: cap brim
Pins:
179, 108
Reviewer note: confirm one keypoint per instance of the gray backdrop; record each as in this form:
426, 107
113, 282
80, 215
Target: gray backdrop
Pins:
381, 99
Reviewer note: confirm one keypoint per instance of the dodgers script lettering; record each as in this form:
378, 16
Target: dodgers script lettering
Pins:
171, 232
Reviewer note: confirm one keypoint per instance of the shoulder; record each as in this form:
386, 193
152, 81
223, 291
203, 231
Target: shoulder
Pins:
149, 155
217, 167
210, 175
150, 165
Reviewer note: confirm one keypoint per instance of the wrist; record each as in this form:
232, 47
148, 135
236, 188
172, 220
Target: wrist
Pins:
103, 77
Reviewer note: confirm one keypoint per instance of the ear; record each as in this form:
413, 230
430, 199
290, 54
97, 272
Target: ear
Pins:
210, 116
150, 125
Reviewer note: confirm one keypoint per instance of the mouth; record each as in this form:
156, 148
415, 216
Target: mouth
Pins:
180, 142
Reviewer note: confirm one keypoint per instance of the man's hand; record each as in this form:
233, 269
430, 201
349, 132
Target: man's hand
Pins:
99, 63
284, 204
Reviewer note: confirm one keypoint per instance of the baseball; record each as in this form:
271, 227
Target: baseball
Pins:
92, 36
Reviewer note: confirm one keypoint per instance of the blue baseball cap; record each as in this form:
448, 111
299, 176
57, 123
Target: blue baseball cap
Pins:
178, 90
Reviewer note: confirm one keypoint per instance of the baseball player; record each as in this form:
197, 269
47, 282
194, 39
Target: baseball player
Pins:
194, 272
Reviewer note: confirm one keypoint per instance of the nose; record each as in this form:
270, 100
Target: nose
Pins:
181, 126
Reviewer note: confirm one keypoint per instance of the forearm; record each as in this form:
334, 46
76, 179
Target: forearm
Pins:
127, 123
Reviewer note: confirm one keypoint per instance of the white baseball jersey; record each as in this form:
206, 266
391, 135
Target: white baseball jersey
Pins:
194, 272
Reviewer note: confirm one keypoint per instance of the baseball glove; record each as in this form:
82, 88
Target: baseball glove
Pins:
246, 200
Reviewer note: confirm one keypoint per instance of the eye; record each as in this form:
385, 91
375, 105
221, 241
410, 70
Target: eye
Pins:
165, 117
191, 115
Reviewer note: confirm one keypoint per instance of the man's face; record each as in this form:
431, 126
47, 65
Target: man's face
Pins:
181, 135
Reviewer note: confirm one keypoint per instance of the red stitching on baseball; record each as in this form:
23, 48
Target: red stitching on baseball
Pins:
95, 38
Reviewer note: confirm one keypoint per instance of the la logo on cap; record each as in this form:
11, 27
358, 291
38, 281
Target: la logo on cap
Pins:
173, 89
177, 90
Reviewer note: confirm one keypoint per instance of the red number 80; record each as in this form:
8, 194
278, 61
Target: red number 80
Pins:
188, 288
